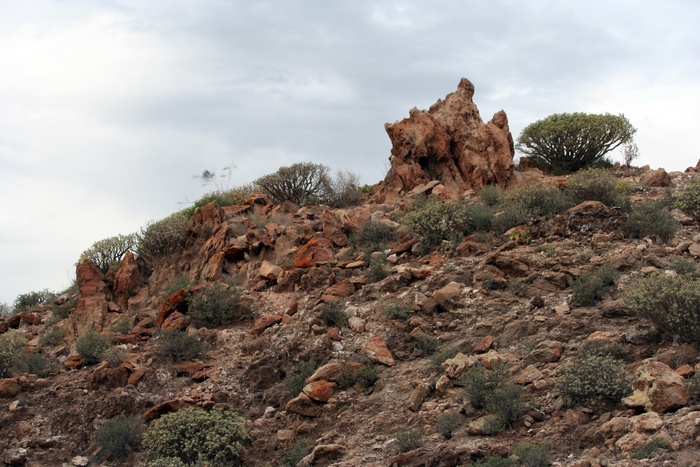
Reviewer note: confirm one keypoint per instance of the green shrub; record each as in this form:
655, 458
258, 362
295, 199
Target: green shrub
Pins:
217, 305
63, 311
52, 337
496, 461
436, 220
396, 309
33, 299
535, 199
373, 236
595, 378
180, 281
517, 287
694, 387
478, 382
376, 270
301, 183
195, 436
408, 439
37, 363
91, 346
295, 452
11, 353
595, 185
490, 195
672, 303
443, 355
532, 455
366, 375
165, 462
426, 344
176, 345
685, 267
226, 197
295, 377
687, 199
158, 240
651, 218
114, 356
106, 254
512, 216
602, 348
589, 288
652, 445
333, 314
506, 401
6, 310
446, 425
119, 435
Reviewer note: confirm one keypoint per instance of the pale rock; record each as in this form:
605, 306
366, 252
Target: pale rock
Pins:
456, 366
418, 395
657, 388
448, 296
650, 421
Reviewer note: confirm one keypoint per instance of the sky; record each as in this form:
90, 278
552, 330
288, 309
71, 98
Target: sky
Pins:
109, 108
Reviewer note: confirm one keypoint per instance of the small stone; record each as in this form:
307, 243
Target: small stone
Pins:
377, 350
80, 461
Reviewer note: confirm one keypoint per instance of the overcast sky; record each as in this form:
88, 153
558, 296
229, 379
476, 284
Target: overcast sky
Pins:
108, 108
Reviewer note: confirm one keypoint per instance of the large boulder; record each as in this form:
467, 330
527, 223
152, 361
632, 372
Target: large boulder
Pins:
657, 388
450, 143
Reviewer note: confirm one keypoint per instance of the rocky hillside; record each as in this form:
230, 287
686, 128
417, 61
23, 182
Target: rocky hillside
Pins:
342, 338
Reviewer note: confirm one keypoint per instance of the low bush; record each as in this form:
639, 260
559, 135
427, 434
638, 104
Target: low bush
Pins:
496, 461
51, 337
376, 270
512, 216
296, 375
373, 236
63, 311
443, 355
37, 363
176, 345
426, 344
687, 199
595, 185
603, 349
490, 195
333, 314
685, 267
594, 378
196, 436
588, 288
408, 439
119, 435
478, 382
344, 190
671, 302
217, 305
396, 309
652, 446
436, 220
6, 310
536, 199
158, 240
366, 375
446, 425
180, 281
106, 254
694, 387
11, 353
91, 346
651, 218
532, 455
114, 356
506, 401
33, 299
295, 452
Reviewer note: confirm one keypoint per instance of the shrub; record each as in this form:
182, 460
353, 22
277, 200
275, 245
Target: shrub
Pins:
32, 300
91, 345
603, 349
37, 363
589, 288
52, 337
295, 377
694, 387
376, 270
436, 220
672, 303
107, 253
595, 185
6, 310
630, 152
496, 461
158, 240
595, 378
652, 445
532, 455
688, 199
63, 311
443, 355
119, 434
180, 281
165, 462
114, 356
478, 382
446, 425
373, 236
217, 305
512, 216
226, 197
490, 195
426, 344
535, 199
176, 345
366, 375
685, 267
396, 309
651, 218
408, 439
301, 183
11, 353
344, 190
295, 452
193, 436
333, 314
506, 401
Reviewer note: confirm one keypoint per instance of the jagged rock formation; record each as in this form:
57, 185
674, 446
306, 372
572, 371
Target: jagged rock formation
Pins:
452, 144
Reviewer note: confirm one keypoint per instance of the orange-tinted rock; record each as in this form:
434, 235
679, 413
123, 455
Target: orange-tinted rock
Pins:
190, 368
657, 388
304, 405
315, 252
320, 391
655, 178
135, 376
30, 318
484, 344
89, 278
377, 350
164, 408
73, 362
9, 387
11, 322
176, 302
201, 375
450, 143
269, 270
127, 280
341, 289
329, 371
110, 377
176, 320
264, 322
334, 335
236, 251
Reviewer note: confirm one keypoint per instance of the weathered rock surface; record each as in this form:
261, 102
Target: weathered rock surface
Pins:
657, 388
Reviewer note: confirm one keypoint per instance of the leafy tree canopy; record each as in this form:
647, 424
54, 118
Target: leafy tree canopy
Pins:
572, 141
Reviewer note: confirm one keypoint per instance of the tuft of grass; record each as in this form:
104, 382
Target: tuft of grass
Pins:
408, 439
119, 435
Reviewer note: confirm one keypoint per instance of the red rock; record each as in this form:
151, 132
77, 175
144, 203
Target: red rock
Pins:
11, 322
110, 377
341, 289
334, 335
315, 252
484, 344
73, 362
176, 320
201, 375
450, 143
657, 388
176, 302
164, 408
377, 350
304, 405
292, 310
269, 270
30, 318
127, 280
9, 387
655, 178
190, 368
89, 278
127, 338
135, 376
236, 251
320, 391
264, 322
329, 372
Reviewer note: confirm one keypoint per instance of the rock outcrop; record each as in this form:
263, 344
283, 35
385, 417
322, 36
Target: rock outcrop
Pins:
452, 144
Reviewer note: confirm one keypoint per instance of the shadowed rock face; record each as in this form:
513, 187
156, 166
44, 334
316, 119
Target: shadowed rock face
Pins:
450, 143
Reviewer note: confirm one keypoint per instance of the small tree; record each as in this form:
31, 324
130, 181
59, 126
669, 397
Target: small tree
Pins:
108, 253
301, 183
572, 141
630, 152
